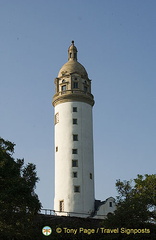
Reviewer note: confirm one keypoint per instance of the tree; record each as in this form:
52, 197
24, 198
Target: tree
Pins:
136, 205
18, 201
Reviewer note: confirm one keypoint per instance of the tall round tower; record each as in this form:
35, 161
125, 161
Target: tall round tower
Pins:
74, 163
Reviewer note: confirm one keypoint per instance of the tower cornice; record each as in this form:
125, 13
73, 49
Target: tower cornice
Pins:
73, 95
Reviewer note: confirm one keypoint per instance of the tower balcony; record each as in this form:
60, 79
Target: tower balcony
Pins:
73, 95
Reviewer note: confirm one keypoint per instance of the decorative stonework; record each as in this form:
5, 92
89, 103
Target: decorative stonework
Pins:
72, 95
72, 83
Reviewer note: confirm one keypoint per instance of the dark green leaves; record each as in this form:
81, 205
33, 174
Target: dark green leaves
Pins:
18, 201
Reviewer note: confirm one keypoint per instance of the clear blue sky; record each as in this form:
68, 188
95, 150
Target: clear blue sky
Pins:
116, 41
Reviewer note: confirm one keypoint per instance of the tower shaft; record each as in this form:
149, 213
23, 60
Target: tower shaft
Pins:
74, 163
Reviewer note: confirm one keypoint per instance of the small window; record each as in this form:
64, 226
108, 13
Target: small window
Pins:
56, 149
75, 55
91, 176
76, 78
75, 84
74, 174
74, 120
74, 109
110, 204
63, 80
56, 118
76, 188
70, 55
75, 137
74, 151
74, 163
63, 88
85, 89
61, 204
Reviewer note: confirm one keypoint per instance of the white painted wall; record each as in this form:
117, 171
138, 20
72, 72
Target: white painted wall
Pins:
105, 208
82, 202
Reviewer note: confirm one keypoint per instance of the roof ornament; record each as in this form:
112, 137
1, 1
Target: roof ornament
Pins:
72, 52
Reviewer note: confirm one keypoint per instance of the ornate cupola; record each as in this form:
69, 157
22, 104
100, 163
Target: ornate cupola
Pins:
72, 83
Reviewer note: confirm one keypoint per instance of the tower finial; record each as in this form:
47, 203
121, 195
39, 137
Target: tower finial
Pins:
72, 52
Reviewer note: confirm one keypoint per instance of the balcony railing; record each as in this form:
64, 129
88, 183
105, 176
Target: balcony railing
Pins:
73, 91
69, 214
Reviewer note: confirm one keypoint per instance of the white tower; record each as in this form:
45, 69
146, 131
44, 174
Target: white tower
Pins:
74, 164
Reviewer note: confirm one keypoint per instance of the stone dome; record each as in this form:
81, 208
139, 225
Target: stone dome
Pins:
72, 66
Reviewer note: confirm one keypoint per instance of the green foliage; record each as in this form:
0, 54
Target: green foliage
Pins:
136, 206
140, 195
18, 201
